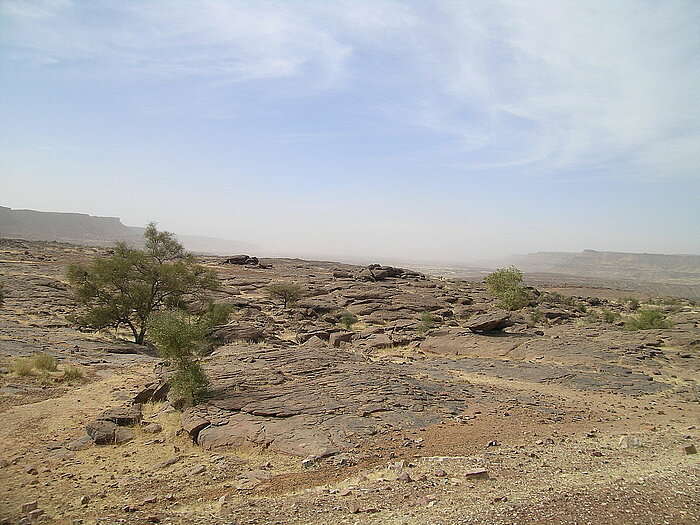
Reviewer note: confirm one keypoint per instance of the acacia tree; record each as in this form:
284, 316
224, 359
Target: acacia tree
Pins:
505, 284
126, 288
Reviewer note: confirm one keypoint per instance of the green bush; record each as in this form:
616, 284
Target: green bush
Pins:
181, 339
609, 316
427, 321
288, 293
72, 373
348, 319
190, 384
22, 366
632, 303
44, 361
648, 319
505, 285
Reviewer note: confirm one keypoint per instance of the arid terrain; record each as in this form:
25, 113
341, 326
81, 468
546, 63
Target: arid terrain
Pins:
554, 416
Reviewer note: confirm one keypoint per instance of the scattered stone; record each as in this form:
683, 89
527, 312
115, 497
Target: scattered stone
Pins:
123, 416
440, 473
195, 471
85, 500
82, 443
629, 442
491, 321
150, 499
35, 514
689, 449
31, 469
28, 507
480, 473
166, 463
152, 428
354, 508
405, 477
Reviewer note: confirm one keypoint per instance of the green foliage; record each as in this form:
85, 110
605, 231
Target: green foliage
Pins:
2, 294
427, 321
632, 303
593, 317
181, 339
22, 366
180, 336
190, 384
557, 298
648, 319
44, 361
348, 319
126, 288
72, 373
609, 316
288, 293
505, 285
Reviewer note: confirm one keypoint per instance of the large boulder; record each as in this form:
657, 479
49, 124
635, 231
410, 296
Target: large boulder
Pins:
231, 333
496, 320
241, 259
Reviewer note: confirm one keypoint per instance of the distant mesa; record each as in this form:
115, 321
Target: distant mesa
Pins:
81, 228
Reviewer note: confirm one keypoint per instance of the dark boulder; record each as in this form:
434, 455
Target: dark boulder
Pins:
491, 321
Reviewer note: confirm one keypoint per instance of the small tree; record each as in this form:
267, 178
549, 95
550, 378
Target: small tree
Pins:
126, 288
288, 293
348, 319
180, 338
505, 285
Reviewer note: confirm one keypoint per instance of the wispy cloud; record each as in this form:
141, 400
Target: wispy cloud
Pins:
544, 86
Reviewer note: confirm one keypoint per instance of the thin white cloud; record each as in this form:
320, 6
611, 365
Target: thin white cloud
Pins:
542, 85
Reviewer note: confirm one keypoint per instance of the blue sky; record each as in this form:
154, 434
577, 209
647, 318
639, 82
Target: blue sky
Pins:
414, 130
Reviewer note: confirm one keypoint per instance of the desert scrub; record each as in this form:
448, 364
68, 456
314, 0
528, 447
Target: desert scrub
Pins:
22, 366
348, 319
427, 321
632, 303
648, 319
2, 294
505, 285
72, 373
609, 316
44, 361
536, 316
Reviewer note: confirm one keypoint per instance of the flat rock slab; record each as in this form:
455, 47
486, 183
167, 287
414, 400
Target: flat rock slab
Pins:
309, 401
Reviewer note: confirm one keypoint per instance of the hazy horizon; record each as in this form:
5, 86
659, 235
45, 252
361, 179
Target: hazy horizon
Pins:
427, 131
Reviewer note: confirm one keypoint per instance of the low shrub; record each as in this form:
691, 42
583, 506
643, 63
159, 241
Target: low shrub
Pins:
44, 361
632, 303
505, 285
427, 321
609, 316
648, 319
73, 373
348, 319
190, 385
22, 366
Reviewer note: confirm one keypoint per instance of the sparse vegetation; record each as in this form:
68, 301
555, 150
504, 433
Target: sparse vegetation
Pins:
22, 366
73, 373
505, 285
536, 316
427, 321
2, 294
180, 338
348, 319
608, 316
44, 361
632, 303
126, 288
648, 319
288, 293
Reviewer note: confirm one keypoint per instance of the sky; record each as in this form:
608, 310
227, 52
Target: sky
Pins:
444, 131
